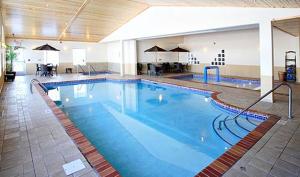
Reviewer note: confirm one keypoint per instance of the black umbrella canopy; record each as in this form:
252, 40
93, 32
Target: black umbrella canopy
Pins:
46, 47
178, 49
155, 49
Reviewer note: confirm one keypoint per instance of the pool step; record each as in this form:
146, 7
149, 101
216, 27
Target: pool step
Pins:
232, 130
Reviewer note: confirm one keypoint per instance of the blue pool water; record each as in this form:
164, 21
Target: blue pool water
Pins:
234, 82
145, 129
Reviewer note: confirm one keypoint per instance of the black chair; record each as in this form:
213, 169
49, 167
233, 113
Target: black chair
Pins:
178, 67
139, 68
186, 68
49, 69
38, 69
164, 67
155, 70
44, 70
167, 67
148, 68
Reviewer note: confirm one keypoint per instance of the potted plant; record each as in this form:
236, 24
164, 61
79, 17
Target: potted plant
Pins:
11, 55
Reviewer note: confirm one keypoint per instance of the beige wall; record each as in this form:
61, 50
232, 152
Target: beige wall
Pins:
113, 67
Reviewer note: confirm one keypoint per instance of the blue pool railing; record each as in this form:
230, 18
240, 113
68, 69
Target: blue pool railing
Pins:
211, 67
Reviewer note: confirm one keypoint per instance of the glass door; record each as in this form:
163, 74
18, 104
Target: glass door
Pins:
19, 65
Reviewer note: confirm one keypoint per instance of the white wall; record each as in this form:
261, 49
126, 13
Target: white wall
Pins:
241, 50
114, 56
95, 52
114, 52
283, 42
160, 21
241, 46
165, 43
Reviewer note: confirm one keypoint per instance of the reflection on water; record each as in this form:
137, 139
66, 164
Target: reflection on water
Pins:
144, 129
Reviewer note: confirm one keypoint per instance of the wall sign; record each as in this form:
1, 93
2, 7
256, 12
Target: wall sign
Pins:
193, 60
220, 59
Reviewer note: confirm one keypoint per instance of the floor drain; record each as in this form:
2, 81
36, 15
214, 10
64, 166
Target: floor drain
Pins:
243, 168
73, 166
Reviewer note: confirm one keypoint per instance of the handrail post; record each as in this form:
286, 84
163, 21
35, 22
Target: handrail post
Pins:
290, 102
89, 70
290, 106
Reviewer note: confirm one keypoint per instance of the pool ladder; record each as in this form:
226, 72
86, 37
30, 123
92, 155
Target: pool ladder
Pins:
40, 84
235, 118
91, 69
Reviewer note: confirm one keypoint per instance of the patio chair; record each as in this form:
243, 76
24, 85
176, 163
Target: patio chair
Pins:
38, 69
139, 68
178, 67
44, 70
166, 67
148, 68
155, 70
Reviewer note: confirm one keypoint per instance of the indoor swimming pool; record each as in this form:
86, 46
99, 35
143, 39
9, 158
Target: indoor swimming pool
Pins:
150, 129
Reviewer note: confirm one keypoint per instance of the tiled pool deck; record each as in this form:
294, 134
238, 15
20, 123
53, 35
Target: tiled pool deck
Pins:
35, 145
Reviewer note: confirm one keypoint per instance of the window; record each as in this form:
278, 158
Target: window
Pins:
79, 57
51, 57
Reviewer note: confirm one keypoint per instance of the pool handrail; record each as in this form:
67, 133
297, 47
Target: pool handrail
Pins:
211, 67
40, 84
262, 97
90, 67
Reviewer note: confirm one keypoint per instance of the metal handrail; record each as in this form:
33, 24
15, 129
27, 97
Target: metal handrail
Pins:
262, 97
42, 85
93, 68
81, 68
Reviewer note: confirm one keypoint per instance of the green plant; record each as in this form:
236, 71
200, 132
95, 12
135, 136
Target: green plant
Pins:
11, 55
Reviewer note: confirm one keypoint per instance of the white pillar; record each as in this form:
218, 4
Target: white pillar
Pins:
266, 58
122, 71
130, 57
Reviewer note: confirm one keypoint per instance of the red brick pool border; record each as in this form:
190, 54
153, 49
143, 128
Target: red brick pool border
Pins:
217, 168
95, 159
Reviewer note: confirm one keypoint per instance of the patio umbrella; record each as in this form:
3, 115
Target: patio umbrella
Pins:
46, 47
155, 49
178, 49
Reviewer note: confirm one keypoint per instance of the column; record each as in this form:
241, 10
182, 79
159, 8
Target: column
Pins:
266, 59
130, 57
122, 72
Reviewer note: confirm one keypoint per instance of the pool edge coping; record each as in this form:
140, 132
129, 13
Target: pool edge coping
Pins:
94, 158
217, 168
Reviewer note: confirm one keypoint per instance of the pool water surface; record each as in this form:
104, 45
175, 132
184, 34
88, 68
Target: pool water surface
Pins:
227, 81
145, 129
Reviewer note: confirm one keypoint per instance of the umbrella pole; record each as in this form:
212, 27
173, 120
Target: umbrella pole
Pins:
45, 62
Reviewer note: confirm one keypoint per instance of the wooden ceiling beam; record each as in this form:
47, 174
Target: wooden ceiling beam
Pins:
70, 22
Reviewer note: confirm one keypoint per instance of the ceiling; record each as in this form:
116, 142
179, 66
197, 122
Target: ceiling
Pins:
291, 25
67, 20
92, 20
222, 3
